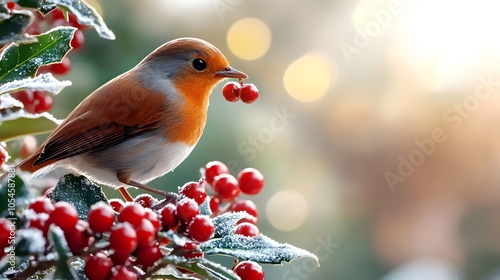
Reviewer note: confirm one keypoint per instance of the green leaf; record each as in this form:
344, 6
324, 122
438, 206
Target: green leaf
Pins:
79, 192
28, 3
259, 248
174, 237
29, 242
85, 14
22, 61
43, 82
13, 192
13, 28
63, 270
4, 11
225, 223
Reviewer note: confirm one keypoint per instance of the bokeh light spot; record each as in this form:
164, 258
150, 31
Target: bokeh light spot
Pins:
249, 38
308, 78
287, 210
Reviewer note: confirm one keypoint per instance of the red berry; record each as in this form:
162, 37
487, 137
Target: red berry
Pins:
64, 216
249, 93
98, 267
245, 206
247, 229
77, 40
248, 270
39, 221
146, 233
11, 5
4, 155
187, 209
226, 186
132, 213
195, 191
123, 239
213, 169
77, 237
116, 204
120, 258
60, 68
122, 273
41, 205
57, 14
6, 228
146, 200
215, 205
231, 91
251, 181
250, 219
201, 228
101, 217
147, 256
169, 219
43, 102
153, 218
189, 250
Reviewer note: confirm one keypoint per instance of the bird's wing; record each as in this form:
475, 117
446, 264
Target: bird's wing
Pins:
112, 114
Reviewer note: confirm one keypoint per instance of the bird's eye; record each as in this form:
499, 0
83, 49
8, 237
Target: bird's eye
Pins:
199, 64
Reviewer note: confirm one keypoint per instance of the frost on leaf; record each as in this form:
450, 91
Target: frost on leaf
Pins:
225, 223
43, 82
30, 242
13, 27
19, 61
79, 192
85, 14
173, 236
259, 248
202, 268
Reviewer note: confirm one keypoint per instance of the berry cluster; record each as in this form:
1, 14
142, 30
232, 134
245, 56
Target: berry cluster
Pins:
124, 240
234, 91
39, 101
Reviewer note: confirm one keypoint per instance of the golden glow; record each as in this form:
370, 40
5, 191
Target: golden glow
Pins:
249, 38
287, 210
308, 78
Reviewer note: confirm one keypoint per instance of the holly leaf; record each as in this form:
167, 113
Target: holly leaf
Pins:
28, 3
44, 82
19, 61
79, 192
13, 27
85, 14
259, 248
63, 270
13, 194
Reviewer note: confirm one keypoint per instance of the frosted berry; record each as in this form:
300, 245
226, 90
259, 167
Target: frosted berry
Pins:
251, 181
77, 237
248, 270
5, 230
39, 221
147, 256
116, 204
41, 205
245, 206
215, 205
132, 213
77, 40
146, 200
64, 216
226, 186
247, 229
187, 209
249, 93
195, 191
153, 218
123, 239
201, 228
98, 267
122, 273
169, 217
101, 217
213, 169
231, 91
146, 233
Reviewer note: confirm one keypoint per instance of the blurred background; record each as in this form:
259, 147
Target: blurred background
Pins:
375, 128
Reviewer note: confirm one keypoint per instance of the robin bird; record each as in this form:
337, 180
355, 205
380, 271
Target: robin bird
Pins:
141, 124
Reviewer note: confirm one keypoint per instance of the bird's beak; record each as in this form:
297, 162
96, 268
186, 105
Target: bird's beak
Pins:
230, 72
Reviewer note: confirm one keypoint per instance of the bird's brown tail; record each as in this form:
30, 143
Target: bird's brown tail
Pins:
26, 165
